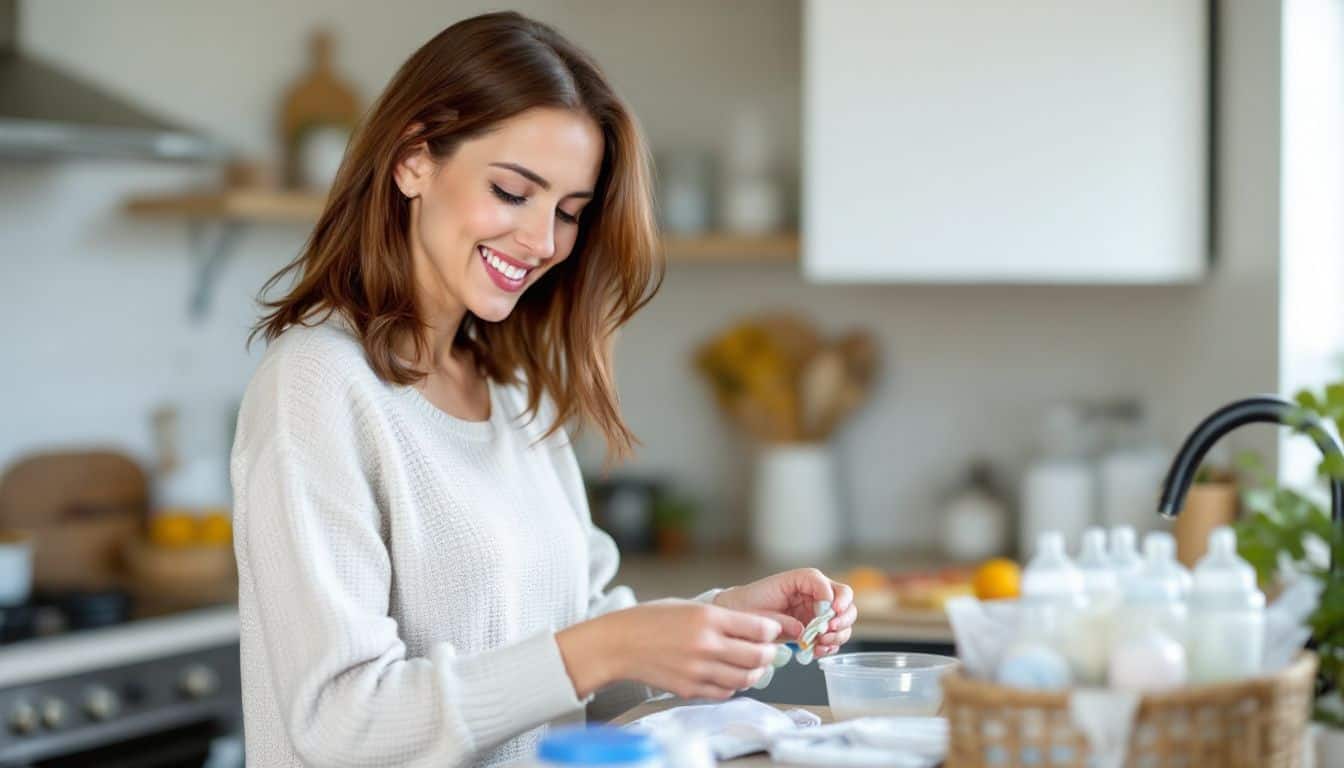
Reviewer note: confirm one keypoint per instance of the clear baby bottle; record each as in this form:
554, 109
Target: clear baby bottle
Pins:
1227, 614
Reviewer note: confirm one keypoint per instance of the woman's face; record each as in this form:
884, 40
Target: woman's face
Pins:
490, 220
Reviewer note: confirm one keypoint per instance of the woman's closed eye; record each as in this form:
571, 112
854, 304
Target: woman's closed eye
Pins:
513, 199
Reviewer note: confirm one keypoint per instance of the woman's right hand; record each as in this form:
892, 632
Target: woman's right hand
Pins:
690, 649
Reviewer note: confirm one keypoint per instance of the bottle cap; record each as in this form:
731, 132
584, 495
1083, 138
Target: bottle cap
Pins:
1124, 551
1098, 576
1050, 573
1161, 579
596, 745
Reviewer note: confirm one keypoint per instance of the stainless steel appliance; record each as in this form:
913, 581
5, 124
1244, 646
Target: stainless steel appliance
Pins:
148, 693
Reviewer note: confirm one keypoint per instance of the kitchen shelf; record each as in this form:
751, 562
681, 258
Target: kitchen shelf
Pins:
216, 219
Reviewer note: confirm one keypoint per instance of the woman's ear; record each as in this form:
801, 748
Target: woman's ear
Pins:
416, 166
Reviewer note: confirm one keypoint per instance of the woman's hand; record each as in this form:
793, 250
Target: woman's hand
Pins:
691, 649
790, 598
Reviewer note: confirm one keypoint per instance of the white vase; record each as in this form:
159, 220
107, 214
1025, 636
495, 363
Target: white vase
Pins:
795, 512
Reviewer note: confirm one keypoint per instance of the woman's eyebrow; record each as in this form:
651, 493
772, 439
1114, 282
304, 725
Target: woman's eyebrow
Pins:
533, 177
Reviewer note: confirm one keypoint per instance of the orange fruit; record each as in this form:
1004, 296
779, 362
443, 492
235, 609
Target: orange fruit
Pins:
215, 528
172, 529
866, 578
997, 579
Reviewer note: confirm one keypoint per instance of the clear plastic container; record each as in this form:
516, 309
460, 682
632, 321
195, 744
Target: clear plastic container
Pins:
886, 684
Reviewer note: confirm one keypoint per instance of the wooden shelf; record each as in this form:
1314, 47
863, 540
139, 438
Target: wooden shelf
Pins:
276, 206
241, 205
216, 219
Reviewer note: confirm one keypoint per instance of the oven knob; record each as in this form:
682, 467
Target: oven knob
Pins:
198, 681
100, 703
53, 713
23, 718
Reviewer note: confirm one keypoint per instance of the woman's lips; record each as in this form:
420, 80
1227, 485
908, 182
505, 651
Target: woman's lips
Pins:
504, 272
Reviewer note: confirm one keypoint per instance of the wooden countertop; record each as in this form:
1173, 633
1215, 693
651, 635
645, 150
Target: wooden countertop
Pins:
747, 761
653, 578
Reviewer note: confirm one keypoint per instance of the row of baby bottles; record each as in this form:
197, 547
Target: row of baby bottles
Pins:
1135, 622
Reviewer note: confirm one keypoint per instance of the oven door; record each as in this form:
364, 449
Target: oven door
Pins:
196, 745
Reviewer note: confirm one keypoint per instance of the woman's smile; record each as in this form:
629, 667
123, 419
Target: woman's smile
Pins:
507, 273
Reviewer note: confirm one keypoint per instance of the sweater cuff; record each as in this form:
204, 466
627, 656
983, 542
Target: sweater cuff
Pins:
507, 691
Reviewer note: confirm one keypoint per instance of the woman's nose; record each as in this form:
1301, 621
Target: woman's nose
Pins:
538, 236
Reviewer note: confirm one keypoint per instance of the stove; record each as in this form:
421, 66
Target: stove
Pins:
147, 693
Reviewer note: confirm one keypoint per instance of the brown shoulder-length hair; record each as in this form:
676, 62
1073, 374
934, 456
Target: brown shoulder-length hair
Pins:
357, 260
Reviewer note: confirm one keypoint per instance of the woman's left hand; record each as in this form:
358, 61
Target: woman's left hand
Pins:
790, 598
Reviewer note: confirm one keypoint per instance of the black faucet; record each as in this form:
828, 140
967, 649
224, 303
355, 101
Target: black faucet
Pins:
1263, 408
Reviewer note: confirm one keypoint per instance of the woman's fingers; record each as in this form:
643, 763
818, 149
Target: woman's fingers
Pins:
813, 584
839, 628
748, 626
731, 678
843, 619
790, 628
844, 597
745, 655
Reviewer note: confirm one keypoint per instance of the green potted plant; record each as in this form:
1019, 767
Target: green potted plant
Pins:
1291, 530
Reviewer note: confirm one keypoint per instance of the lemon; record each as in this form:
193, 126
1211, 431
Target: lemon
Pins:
997, 579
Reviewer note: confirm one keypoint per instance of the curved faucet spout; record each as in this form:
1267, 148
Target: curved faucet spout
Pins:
1264, 408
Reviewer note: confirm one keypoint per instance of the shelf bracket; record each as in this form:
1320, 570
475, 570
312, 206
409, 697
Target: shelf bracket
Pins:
211, 243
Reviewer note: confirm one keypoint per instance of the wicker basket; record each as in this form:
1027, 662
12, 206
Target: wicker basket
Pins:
1258, 722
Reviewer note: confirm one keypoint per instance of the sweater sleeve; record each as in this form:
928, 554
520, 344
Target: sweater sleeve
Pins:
312, 538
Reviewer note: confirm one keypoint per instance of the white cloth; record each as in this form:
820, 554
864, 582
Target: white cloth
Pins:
894, 742
743, 726
734, 728
402, 572
1106, 718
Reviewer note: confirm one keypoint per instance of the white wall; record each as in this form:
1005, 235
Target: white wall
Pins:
94, 304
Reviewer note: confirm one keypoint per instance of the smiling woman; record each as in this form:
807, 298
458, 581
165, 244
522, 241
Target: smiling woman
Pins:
490, 134
420, 582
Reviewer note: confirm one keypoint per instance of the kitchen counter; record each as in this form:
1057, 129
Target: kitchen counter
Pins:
748, 761
653, 578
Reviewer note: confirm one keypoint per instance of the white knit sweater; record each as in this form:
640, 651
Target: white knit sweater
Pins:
402, 572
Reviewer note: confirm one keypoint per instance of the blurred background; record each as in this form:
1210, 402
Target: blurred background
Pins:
940, 276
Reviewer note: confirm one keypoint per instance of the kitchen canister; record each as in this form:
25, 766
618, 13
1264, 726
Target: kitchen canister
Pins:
795, 509
685, 180
572, 746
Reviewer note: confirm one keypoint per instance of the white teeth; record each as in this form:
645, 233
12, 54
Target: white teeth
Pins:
509, 271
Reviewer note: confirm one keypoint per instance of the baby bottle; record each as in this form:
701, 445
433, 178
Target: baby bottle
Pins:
1148, 653
1124, 554
1103, 596
1227, 614
1054, 598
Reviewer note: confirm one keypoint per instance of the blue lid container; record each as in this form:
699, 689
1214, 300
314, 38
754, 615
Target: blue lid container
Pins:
597, 745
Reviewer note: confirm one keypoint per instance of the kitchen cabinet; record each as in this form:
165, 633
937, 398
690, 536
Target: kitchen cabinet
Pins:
977, 141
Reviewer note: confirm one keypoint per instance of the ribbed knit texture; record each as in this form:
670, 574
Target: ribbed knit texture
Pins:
402, 572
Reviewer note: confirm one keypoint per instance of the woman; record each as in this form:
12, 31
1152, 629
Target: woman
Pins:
420, 582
